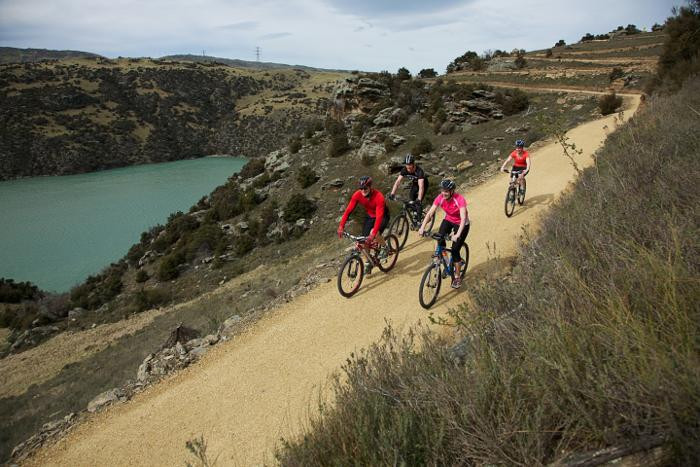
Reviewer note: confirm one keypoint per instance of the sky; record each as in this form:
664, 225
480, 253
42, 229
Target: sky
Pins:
369, 35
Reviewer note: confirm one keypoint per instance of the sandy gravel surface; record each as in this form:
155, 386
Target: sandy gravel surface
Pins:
247, 393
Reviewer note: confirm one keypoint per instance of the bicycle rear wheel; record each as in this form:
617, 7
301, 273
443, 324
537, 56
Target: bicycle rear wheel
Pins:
430, 286
399, 228
392, 254
521, 195
510, 201
350, 276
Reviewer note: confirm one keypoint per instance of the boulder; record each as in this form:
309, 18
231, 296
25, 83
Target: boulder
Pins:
464, 165
484, 94
481, 104
75, 313
371, 151
104, 399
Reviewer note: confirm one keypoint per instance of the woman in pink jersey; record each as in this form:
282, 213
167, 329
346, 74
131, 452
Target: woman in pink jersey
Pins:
456, 220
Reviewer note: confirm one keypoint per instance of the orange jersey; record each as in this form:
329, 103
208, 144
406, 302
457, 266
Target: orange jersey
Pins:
520, 160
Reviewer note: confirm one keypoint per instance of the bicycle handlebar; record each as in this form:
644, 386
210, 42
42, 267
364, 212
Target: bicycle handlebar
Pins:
356, 238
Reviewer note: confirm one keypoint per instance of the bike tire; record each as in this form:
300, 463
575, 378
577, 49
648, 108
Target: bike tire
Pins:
388, 264
352, 268
399, 228
464, 253
431, 281
521, 196
510, 201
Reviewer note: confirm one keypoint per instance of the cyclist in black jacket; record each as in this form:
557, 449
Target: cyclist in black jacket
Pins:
419, 183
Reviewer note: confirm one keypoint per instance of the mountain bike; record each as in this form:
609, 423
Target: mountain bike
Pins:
440, 268
352, 271
407, 220
514, 194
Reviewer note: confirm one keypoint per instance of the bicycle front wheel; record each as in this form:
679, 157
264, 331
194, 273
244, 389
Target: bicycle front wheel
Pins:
521, 194
350, 276
399, 228
430, 286
391, 253
510, 201
464, 253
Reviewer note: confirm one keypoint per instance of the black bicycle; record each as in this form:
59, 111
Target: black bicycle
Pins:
352, 271
514, 193
441, 266
407, 220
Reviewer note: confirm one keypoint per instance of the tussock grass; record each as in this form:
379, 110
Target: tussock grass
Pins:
592, 341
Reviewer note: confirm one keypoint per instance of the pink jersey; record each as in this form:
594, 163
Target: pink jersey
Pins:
451, 207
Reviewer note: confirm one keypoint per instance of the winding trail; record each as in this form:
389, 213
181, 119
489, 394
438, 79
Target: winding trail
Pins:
248, 392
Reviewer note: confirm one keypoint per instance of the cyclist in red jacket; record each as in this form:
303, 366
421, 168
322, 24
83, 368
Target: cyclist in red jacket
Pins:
377, 213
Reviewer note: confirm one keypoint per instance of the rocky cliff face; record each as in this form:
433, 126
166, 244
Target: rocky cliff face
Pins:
93, 114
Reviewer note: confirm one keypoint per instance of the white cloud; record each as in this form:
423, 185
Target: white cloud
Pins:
349, 34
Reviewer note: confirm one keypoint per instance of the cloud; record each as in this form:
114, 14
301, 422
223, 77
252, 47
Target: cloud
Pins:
241, 25
275, 35
374, 8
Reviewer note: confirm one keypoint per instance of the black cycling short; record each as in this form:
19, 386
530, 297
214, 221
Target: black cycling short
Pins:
515, 171
369, 223
446, 228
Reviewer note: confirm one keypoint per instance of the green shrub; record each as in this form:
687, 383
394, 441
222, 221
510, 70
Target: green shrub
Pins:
609, 103
680, 58
306, 176
252, 168
294, 145
339, 145
616, 73
169, 265
403, 74
15, 292
141, 276
423, 146
513, 101
146, 299
204, 241
243, 244
100, 289
298, 207
520, 62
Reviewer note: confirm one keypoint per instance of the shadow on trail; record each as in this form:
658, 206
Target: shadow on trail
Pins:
539, 200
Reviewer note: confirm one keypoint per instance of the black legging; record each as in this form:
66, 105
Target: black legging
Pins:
447, 228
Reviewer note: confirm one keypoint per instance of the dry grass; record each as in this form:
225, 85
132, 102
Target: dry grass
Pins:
592, 341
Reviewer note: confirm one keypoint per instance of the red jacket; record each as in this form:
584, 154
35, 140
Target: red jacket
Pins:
374, 205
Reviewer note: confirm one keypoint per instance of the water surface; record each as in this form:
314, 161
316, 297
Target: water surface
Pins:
56, 231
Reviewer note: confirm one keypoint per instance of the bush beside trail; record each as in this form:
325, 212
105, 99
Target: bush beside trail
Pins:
590, 342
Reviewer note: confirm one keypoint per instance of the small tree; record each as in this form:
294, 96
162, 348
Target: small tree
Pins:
141, 276
427, 73
294, 145
609, 103
403, 74
298, 207
306, 176
520, 62
423, 146
560, 43
616, 73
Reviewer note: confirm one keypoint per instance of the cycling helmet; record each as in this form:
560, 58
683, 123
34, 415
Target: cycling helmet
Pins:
520, 143
409, 159
365, 182
447, 185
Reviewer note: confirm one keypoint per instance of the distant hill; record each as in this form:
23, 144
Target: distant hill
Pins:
241, 63
15, 55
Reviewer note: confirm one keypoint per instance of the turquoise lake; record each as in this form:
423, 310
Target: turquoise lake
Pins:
56, 231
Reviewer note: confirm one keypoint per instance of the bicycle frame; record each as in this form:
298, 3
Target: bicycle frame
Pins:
439, 258
361, 248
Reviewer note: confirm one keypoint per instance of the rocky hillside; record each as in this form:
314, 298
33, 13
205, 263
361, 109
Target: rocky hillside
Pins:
74, 116
15, 55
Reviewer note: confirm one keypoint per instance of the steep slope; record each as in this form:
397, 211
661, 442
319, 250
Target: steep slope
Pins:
252, 390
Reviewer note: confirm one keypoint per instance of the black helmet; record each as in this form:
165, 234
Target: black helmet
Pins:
520, 143
409, 159
447, 185
365, 182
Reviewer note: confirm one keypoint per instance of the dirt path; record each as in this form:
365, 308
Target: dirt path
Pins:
247, 393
